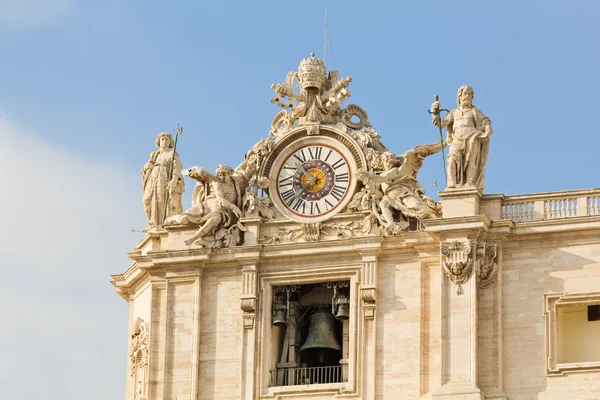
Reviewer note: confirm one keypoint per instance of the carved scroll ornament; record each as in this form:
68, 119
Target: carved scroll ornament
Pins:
487, 265
457, 262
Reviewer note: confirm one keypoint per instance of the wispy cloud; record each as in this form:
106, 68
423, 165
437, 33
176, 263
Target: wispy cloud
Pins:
33, 13
64, 230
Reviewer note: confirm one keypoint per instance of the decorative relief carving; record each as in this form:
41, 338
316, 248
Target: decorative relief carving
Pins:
312, 232
487, 265
249, 296
318, 101
457, 262
138, 358
368, 287
368, 295
351, 111
319, 231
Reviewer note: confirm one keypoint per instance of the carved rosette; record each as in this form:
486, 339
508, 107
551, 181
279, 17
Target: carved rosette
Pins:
457, 262
138, 357
487, 265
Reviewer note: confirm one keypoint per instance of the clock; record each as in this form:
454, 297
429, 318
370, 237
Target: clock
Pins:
313, 179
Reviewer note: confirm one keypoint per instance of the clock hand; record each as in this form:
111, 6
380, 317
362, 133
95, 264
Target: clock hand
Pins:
305, 172
307, 184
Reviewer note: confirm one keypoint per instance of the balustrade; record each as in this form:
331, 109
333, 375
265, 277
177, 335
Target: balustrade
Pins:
545, 206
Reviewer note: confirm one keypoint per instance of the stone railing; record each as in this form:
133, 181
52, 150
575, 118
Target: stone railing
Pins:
543, 206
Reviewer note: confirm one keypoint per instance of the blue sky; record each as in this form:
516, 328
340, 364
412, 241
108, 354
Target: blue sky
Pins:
87, 85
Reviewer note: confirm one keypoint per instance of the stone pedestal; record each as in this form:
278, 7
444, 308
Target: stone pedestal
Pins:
462, 202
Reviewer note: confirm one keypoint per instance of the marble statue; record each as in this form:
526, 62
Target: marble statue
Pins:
399, 188
218, 200
162, 182
469, 131
222, 201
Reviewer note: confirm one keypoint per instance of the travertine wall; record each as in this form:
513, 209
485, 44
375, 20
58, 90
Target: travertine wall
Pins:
532, 267
221, 335
197, 333
398, 327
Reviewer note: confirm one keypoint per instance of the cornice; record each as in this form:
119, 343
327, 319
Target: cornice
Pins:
473, 224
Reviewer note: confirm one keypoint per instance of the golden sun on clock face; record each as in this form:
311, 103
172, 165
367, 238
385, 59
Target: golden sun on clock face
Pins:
314, 180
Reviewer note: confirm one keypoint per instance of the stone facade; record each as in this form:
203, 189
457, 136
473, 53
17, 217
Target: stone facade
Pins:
461, 299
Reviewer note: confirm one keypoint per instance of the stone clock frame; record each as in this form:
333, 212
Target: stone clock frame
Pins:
299, 138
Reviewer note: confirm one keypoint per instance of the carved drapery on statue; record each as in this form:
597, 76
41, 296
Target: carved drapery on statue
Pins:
162, 182
469, 131
138, 360
218, 200
392, 186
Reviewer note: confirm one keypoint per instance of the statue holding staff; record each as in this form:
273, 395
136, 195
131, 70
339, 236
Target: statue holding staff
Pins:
162, 182
469, 131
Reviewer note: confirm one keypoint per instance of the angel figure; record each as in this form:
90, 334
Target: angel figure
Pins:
223, 199
400, 187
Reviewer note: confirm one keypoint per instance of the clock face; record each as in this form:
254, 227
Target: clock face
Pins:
314, 181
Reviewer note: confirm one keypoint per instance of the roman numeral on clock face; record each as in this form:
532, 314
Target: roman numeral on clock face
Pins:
300, 156
314, 208
288, 195
299, 204
315, 152
341, 177
338, 163
288, 181
337, 192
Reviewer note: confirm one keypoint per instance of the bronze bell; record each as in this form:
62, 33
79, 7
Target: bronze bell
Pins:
343, 308
321, 346
279, 315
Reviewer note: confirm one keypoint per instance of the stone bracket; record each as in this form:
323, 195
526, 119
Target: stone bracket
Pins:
368, 288
487, 265
249, 298
457, 261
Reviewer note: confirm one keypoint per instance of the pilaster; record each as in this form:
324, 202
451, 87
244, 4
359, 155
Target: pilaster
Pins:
368, 295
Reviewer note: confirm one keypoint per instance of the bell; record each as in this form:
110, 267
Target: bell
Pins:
279, 315
343, 309
321, 346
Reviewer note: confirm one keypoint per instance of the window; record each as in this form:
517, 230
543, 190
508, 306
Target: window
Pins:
309, 334
572, 332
